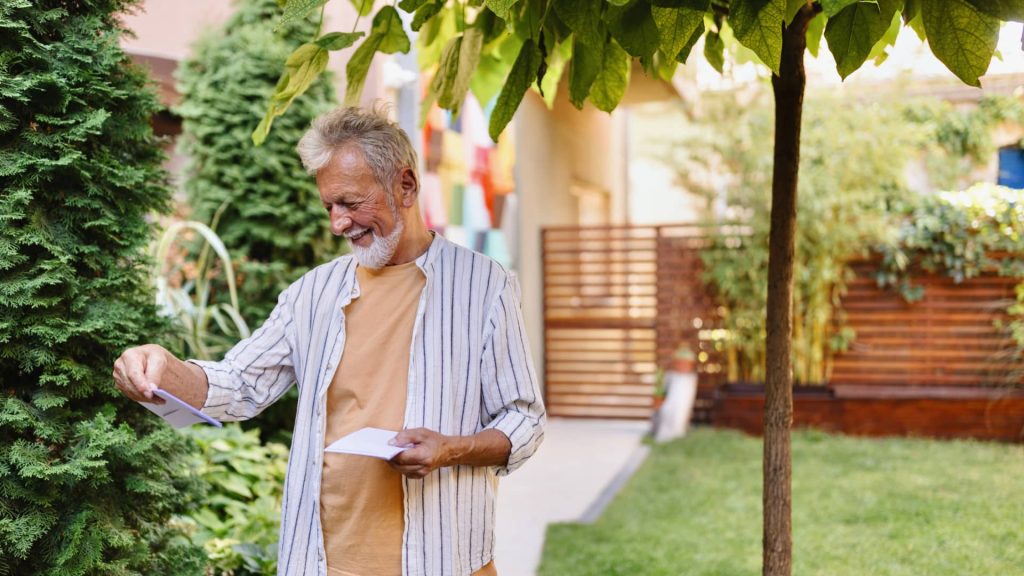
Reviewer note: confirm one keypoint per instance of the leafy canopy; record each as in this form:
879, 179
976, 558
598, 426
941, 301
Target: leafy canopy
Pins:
504, 47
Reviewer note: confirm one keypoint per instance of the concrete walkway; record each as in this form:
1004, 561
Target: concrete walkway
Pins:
573, 475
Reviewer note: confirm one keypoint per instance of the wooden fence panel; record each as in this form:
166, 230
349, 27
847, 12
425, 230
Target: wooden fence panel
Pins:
600, 306
617, 302
948, 338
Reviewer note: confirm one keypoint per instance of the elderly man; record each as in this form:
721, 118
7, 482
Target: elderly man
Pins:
410, 333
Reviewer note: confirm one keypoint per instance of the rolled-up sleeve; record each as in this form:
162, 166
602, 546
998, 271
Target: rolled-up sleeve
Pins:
256, 371
511, 394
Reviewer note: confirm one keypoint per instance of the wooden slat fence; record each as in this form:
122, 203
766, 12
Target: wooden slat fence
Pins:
948, 338
619, 299
600, 307
617, 302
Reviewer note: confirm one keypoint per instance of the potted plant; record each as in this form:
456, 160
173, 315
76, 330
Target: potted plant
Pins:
683, 360
675, 395
658, 398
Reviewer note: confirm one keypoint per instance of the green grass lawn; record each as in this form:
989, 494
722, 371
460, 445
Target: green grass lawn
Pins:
861, 507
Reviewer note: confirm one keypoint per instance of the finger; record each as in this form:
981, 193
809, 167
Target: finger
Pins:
410, 471
136, 374
122, 382
409, 437
155, 365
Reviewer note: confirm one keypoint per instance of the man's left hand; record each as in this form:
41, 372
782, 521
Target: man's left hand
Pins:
429, 451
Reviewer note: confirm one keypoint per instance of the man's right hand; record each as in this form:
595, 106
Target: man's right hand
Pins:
139, 370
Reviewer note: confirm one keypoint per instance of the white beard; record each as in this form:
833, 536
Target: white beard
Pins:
380, 252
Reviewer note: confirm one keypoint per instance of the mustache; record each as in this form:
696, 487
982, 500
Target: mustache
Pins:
353, 232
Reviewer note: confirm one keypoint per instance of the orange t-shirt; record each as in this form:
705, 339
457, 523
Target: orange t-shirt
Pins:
361, 498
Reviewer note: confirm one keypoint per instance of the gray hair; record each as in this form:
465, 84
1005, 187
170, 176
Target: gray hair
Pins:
386, 147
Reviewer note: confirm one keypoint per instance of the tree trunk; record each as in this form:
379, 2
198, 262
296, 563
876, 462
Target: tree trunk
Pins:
788, 87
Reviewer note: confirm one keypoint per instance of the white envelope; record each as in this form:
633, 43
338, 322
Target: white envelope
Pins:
176, 412
367, 442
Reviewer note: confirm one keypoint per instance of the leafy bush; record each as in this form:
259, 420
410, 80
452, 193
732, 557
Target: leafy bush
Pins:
847, 185
186, 301
853, 200
960, 234
239, 520
271, 217
88, 479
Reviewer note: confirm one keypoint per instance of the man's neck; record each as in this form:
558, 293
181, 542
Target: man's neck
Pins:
414, 243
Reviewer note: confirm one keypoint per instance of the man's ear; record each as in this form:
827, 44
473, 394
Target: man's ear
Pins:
410, 187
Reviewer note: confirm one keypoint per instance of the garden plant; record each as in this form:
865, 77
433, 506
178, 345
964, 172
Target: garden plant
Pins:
89, 481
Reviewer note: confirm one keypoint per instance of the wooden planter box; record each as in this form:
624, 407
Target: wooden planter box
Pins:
927, 411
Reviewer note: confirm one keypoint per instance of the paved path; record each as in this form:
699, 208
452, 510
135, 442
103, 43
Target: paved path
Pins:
578, 460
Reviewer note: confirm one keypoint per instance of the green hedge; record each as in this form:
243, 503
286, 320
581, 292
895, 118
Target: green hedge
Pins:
88, 479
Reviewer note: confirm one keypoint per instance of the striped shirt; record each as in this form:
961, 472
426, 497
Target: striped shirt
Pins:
469, 370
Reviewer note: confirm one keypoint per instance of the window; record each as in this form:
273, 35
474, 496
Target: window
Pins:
1011, 167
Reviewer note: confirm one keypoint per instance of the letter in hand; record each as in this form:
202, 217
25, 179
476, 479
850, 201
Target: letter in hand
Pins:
138, 371
428, 451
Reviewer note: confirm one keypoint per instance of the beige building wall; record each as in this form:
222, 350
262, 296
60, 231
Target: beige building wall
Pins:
167, 29
570, 170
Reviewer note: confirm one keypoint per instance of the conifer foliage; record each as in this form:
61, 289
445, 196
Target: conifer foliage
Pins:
272, 218
88, 479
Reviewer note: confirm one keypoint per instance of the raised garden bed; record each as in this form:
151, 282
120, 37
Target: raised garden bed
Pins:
930, 411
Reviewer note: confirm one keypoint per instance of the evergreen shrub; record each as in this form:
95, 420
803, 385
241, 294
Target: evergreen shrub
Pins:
88, 479
270, 213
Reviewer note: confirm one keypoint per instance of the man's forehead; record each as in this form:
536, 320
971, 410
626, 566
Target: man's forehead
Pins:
346, 166
349, 157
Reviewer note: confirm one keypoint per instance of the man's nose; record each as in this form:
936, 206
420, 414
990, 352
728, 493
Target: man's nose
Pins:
341, 220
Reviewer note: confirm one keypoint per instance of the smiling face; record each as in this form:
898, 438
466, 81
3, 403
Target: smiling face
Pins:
360, 208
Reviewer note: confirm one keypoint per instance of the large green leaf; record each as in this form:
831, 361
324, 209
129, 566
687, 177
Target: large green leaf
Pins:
714, 50
388, 25
411, 6
584, 18
522, 75
757, 24
583, 69
458, 62
494, 68
833, 7
303, 66
1008, 10
424, 13
444, 79
684, 54
363, 7
610, 84
338, 40
792, 7
814, 32
503, 8
357, 68
854, 31
912, 17
556, 62
676, 27
879, 52
960, 36
634, 28
387, 36
295, 9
